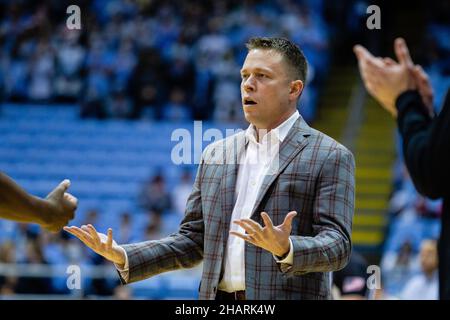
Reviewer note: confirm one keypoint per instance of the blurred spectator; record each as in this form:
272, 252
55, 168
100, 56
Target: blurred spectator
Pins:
176, 110
124, 234
41, 75
182, 191
91, 217
397, 268
93, 105
30, 284
146, 84
7, 255
424, 286
70, 58
352, 280
118, 105
152, 231
122, 293
156, 199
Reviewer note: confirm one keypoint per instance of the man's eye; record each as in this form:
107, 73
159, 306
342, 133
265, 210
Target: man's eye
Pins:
260, 75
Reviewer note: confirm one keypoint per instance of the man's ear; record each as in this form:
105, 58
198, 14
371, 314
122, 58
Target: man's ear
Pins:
296, 89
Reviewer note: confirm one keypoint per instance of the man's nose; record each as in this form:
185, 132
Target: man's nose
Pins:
249, 84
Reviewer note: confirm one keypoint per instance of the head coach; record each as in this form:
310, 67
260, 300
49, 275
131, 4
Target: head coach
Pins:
266, 225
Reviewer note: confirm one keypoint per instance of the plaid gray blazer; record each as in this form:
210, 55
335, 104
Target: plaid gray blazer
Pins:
315, 177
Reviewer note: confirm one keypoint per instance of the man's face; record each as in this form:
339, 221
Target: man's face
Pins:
265, 88
428, 256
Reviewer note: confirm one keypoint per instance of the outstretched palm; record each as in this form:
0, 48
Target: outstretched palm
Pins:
271, 238
102, 244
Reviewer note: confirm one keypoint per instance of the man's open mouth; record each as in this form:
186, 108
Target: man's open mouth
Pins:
249, 101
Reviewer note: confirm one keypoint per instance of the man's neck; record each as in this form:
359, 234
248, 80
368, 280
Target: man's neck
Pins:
261, 132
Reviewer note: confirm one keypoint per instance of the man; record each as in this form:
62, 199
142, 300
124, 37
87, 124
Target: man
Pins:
52, 213
424, 286
404, 90
267, 225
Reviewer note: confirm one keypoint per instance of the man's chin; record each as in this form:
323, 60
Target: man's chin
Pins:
249, 116
252, 118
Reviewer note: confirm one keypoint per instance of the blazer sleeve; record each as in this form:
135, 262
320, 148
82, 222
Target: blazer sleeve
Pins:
330, 248
425, 144
183, 249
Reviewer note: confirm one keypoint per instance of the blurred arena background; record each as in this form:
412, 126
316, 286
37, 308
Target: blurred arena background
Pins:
99, 106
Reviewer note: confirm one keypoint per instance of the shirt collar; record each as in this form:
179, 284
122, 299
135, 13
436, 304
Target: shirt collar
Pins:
280, 132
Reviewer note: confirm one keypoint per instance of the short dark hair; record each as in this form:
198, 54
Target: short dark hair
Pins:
292, 54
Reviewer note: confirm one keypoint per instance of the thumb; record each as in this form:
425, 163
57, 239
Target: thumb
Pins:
287, 223
61, 188
64, 185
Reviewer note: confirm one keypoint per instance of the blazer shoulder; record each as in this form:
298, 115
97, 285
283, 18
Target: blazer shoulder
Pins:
328, 144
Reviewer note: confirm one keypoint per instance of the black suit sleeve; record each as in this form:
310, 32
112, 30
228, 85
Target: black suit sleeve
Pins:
426, 144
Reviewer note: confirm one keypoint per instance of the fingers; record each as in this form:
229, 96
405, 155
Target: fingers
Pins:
420, 74
93, 233
389, 62
361, 52
267, 222
423, 81
252, 224
424, 86
71, 199
402, 52
371, 69
109, 240
374, 64
83, 235
243, 236
251, 227
287, 223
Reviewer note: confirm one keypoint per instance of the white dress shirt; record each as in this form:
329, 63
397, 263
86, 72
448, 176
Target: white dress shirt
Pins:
255, 164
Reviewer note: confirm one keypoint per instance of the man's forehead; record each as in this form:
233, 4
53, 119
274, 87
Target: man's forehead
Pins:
268, 59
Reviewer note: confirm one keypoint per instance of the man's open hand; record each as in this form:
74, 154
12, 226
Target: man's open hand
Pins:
99, 242
274, 239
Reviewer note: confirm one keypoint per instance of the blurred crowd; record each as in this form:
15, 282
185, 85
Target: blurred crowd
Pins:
157, 213
172, 60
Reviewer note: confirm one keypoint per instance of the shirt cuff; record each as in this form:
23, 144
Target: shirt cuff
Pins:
290, 256
124, 272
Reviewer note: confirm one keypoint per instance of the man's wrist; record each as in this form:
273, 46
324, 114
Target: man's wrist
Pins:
121, 257
285, 254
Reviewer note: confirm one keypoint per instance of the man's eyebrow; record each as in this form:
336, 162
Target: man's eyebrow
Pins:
257, 69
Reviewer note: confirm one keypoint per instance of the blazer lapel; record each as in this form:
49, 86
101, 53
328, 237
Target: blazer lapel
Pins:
294, 142
233, 153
